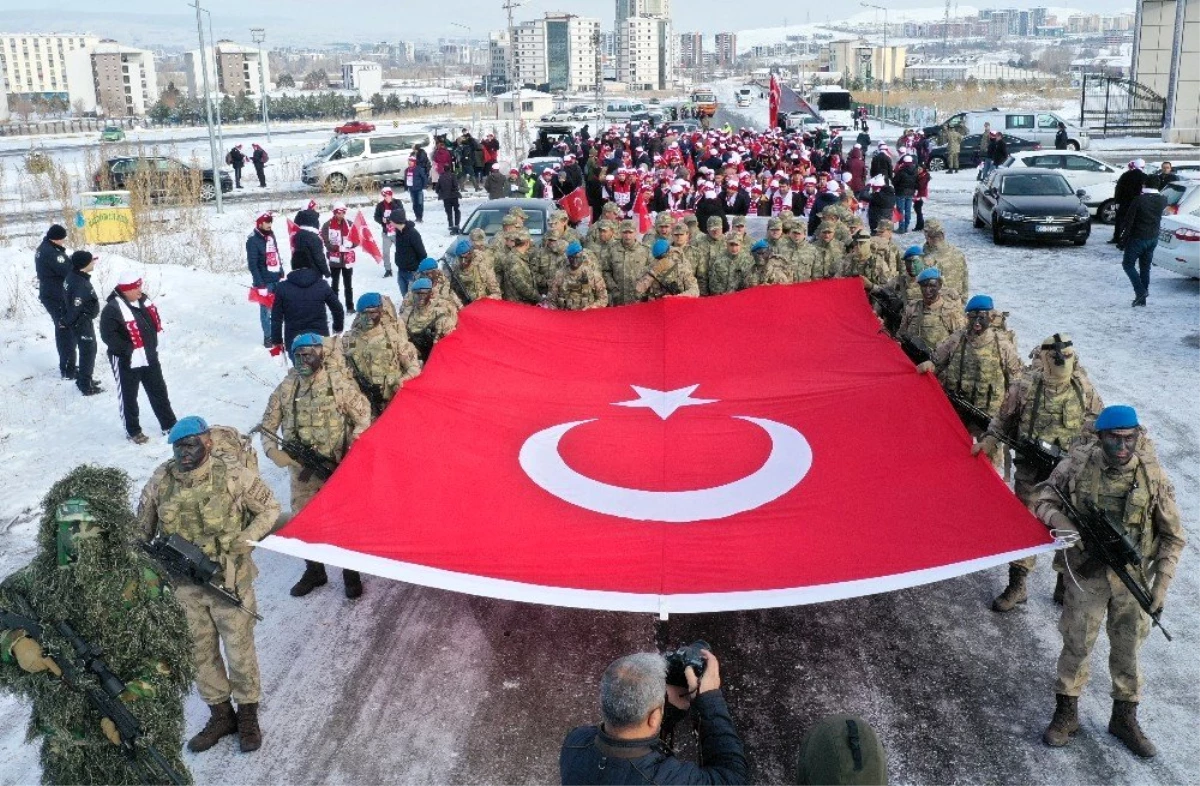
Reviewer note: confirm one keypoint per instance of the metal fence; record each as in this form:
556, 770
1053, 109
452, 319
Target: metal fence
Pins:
1111, 105
909, 116
65, 126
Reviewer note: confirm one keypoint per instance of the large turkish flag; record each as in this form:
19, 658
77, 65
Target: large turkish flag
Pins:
767, 448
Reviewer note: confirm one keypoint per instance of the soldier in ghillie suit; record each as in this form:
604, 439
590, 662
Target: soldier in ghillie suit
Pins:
87, 575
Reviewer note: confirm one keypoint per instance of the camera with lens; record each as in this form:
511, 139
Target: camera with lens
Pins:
683, 657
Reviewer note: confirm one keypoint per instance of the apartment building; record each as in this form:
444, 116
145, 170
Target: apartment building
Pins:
112, 79
36, 65
558, 51
233, 69
646, 59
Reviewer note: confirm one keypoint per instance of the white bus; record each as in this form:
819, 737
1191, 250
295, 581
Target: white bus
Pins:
834, 105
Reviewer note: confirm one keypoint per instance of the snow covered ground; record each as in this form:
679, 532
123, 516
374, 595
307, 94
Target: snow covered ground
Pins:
415, 685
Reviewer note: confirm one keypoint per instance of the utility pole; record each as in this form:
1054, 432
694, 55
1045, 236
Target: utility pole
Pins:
513, 80
887, 75
212, 140
216, 69
258, 35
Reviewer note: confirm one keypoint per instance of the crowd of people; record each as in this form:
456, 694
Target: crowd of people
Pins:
669, 219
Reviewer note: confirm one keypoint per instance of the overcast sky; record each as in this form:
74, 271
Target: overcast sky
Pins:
323, 20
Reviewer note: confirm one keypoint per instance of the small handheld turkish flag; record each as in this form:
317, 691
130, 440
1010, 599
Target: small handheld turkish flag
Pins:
576, 205
360, 235
263, 297
292, 230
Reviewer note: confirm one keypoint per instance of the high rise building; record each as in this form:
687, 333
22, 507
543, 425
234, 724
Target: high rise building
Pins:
726, 49
646, 59
36, 65
365, 76
499, 57
627, 9
558, 51
233, 69
113, 79
691, 50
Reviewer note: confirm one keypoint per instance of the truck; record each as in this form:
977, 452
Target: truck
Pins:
833, 104
704, 101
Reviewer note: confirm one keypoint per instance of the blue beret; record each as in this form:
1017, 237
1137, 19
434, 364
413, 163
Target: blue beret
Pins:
980, 303
660, 249
1117, 416
369, 300
913, 251
305, 340
574, 249
463, 247
187, 427
928, 273
422, 285
761, 245
427, 264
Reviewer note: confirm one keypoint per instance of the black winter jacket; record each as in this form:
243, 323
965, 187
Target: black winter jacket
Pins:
300, 303
115, 333
447, 189
707, 208
823, 200
1143, 219
309, 251
904, 180
1128, 186
410, 248
82, 303
882, 202
589, 756
881, 164
384, 210
256, 260
53, 267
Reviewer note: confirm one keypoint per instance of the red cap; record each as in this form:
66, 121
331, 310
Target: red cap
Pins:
264, 217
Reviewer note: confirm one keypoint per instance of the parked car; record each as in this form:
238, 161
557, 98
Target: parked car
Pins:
112, 134
683, 127
162, 175
540, 163
557, 116
1178, 248
1096, 178
375, 158
968, 154
490, 217
1024, 204
1187, 170
621, 110
355, 127
1034, 126
581, 113
1183, 196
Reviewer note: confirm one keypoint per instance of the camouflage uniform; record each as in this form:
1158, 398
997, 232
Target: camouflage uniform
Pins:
867, 265
670, 275
623, 267
516, 279
428, 324
840, 216
723, 273
560, 227
478, 277
827, 257
771, 269
441, 291
801, 257
933, 324
579, 288
890, 253
949, 261
381, 353
509, 225
979, 368
662, 230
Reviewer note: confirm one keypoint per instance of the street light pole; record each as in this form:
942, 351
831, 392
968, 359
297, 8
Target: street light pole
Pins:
258, 35
887, 77
212, 140
216, 67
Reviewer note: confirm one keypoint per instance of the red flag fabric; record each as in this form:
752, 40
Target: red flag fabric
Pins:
265, 298
576, 205
897, 216
646, 458
641, 208
773, 117
293, 228
360, 235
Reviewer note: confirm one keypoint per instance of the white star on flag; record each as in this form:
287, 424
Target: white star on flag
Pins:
664, 402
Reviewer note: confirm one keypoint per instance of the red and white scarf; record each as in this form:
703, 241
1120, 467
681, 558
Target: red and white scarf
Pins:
273, 264
138, 359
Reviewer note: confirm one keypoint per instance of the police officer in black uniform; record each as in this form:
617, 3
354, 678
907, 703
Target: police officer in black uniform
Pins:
52, 266
83, 306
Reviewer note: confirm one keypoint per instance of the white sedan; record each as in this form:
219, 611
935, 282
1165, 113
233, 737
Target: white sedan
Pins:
1091, 175
1178, 248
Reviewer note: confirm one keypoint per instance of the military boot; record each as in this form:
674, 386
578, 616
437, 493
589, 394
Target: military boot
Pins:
314, 576
1064, 723
1124, 726
249, 734
1060, 589
220, 723
353, 583
1015, 592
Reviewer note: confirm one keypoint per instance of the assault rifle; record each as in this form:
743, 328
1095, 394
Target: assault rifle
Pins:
971, 414
305, 455
100, 686
1112, 547
456, 284
424, 340
916, 349
185, 559
373, 392
891, 307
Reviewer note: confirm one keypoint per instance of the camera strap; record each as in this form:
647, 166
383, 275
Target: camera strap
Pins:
628, 749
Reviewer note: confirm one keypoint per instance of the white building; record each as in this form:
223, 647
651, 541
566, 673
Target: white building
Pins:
633, 8
647, 55
111, 79
36, 65
558, 51
534, 104
1165, 59
233, 69
364, 76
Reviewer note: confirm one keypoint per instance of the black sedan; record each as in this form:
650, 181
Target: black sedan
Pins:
160, 175
1030, 205
969, 155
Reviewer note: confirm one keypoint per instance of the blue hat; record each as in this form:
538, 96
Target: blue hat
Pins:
979, 303
913, 251
427, 264
463, 247
761, 245
189, 427
305, 340
928, 273
1117, 416
574, 249
660, 249
422, 285
369, 300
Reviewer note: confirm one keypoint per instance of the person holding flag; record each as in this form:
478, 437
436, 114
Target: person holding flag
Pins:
266, 269
335, 233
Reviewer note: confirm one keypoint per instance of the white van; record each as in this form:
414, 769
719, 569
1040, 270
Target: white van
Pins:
1034, 126
620, 110
376, 158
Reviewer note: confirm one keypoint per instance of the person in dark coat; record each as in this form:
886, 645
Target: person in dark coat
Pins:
737, 201
83, 306
410, 251
1139, 238
881, 203
1128, 186
904, 181
259, 159
387, 205
824, 199
129, 327
415, 180
266, 267
1060, 137
301, 301
881, 164
52, 266
710, 205
237, 160
998, 151
448, 191
307, 248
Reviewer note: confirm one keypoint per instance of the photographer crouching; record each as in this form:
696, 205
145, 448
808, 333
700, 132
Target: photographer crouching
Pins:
634, 693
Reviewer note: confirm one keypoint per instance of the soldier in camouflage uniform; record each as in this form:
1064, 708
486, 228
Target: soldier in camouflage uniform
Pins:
545, 261
442, 290
838, 215
377, 349
1119, 475
670, 275
579, 285
827, 251
509, 225
862, 262
723, 273
429, 320
560, 226
681, 238
769, 267
323, 409
886, 250
737, 226
475, 271
775, 238
516, 279
662, 230
222, 506
600, 238
712, 243
946, 258
85, 573
1054, 403
693, 225
800, 255
627, 261
934, 316
610, 213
